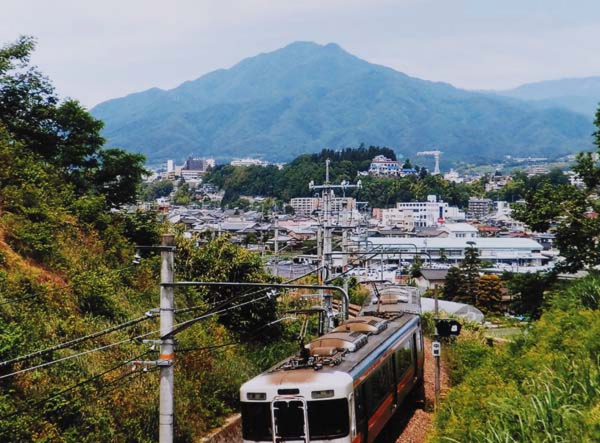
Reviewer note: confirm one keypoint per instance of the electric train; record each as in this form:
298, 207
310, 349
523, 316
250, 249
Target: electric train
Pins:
345, 385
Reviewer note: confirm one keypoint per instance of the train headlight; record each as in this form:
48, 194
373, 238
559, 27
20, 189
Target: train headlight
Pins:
322, 394
256, 396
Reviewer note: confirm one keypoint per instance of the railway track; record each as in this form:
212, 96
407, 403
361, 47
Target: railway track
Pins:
353, 309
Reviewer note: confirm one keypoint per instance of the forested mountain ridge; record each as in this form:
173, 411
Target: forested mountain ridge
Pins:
306, 97
581, 95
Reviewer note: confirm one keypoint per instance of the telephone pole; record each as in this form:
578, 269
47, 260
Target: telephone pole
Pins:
167, 349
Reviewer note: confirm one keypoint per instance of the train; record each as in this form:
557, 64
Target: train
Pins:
346, 385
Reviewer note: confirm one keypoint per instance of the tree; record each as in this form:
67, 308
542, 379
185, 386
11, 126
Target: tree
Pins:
221, 260
489, 294
470, 272
572, 212
528, 291
453, 287
63, 134
416, 266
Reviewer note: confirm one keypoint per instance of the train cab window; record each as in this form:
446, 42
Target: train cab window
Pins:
328, 419
256, 421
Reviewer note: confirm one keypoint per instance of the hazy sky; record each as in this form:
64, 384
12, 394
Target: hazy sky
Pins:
98, 50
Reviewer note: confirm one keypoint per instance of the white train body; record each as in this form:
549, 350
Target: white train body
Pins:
345, 387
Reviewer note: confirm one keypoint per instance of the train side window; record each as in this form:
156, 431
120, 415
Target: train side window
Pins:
404, 358
378, 385
360, 407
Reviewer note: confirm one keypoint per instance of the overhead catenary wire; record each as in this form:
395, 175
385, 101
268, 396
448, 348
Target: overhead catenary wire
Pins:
128, 340
76, 341
72, 387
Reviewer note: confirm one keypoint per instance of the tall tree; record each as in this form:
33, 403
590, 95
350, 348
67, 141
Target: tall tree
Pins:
453, 287
470, 271
572, 212
489, 294
62, 133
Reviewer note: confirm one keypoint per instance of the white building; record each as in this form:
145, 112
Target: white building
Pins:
460, 230
431, 212
248, 162
512, 251
453, 177
381, 165
402, 218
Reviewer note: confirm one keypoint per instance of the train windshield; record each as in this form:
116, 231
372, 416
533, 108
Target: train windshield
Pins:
289, 419
328, 419
256, 421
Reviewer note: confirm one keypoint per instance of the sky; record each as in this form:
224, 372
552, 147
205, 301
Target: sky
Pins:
95, 51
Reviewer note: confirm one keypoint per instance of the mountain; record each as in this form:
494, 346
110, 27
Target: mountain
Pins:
306, 96
581, 95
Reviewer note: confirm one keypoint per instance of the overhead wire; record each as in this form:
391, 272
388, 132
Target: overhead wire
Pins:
128, 340
72, 387
76, 341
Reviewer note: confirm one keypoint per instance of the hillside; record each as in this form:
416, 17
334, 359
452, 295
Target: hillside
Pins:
306, 96
581, 95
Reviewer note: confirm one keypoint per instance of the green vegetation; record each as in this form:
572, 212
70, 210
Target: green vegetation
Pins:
66, 272
571, 211
541, 387
292, 180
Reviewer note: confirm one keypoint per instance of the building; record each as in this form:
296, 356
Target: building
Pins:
401, 218
429, 213
479, 208
381, 165
192, 169
309, 205
248, 162
510, 251
460, 230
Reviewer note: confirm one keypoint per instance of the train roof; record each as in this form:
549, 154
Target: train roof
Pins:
347, 349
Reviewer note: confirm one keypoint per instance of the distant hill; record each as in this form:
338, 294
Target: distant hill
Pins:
305, 97
580, 95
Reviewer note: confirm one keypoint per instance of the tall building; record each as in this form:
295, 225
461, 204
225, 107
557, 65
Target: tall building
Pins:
308, 205
479, 208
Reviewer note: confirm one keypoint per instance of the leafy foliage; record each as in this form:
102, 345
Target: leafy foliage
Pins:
541, 388
573, 212
292, 180
63, 134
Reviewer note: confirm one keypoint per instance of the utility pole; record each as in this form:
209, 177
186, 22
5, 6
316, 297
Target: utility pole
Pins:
167, 348
276, 249
326, 228
437, 350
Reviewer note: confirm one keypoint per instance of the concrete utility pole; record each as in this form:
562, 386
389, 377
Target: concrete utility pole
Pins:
276, 249
167, 348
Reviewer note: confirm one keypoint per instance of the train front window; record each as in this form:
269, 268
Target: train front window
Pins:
328, 419
256, 421
289, 419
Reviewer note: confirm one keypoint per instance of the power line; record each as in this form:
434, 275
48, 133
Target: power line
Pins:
138, 337
70, 343
72, 387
